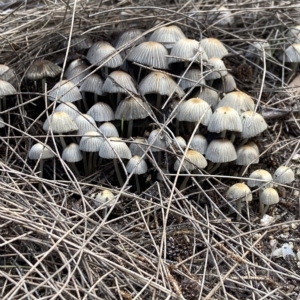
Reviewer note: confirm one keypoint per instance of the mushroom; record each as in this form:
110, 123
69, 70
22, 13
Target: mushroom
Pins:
6, 89
92, 84
101, 112
220, 16
71, 155
193, 77
246, 155
217, 69
105, 198
269, 196
284, 175
138, 147
69, 108
108, 129
157, 141
213, 47
85, 123
199, 143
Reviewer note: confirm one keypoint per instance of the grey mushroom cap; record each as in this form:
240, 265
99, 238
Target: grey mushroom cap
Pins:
132, 108
199, 143
103, 53
105, 198
7, 74
119, 82
292, 53
193, 160
6, 88
284, 175
246, 155
101, 112
159, 83
60, 122
72, 153
78, 43
263, 177
76, 75
38, 150
128, 37
69, 108
65, 91
108, 129
92, 84
259, 48
41, 69
269, 196
194, 77
114, 147
253, 124
208, 95
227, 84
193, 110
2, 123
158, 139
151, 54
220, 16
138, 146
225, 118
213, 47
217, 68
239, 191
136, 165
85, 123
73, 64
91, 141
220, 151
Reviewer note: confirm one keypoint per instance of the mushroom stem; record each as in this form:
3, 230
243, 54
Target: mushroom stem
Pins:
239, 209
223, 134
95, 98
177, 127
241, 171
44, 82
90, 163
85, 163
84, 102
41, 175
261, 205
137, 183
74, 169
265, 210
62, 142
118, 172
232, 138
184, 182
214, 168
119, 98
129, 129
293, 72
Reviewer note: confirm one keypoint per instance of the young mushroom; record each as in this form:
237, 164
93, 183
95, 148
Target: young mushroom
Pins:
284, 175
71, 155
269, 196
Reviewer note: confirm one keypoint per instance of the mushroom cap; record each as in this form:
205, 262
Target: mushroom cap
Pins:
199, 143
217, 68
253, 124
220, 16
292, 53
257, 48
72, 153
269, 196
220, 151
159, 83
246, 155
92, 84
208, 95
69, 108
238, 100
180, 141
167, 35
138, 146
193, 110
239, 190
136, 165
105, 198
85, 123
73, 64
252, 144
7, 74
77, 43
213, 47
151, 54
128, 37
77, 74
65, 91
187, 50
132, 108
103, 53
259, 174
108, 129
91, 141
2, 123
227, 84
38, 150
194, 77
41, 69
158, 139
192, 160
225, 118
101, 112
114, 147
284, 175
6, 88
119, 82
61, 122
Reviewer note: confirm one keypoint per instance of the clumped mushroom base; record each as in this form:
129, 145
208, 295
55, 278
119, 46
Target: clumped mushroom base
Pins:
164, 243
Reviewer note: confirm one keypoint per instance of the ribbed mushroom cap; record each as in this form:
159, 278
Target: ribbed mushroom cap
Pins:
257, 49
217, 68
92, 84
61, 122
6, 88
252, 144
72, 153
65, 91
167, 35
269, 196
225, 118
77, 74
91, 141
159, 83
292, 53
199, 143
38, 150
187, 50
78, 43
220, 16
193, 160
85, 123
105, 198
119, 82
239, 191
136, 165
227, 84
101, 112
213, 48
180, 141
109, 130
114, 147
238, 100
246, 155
261, 175
138, 146
2, 123
68, 108
41, 69
284, 175
7, 74
193, 110
253, 124
158, 139
132, 108
193, 76
220, 151
73, 64
128, 36
151, 54
103, 53
208, 95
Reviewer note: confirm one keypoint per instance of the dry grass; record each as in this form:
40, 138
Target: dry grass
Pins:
164, 243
